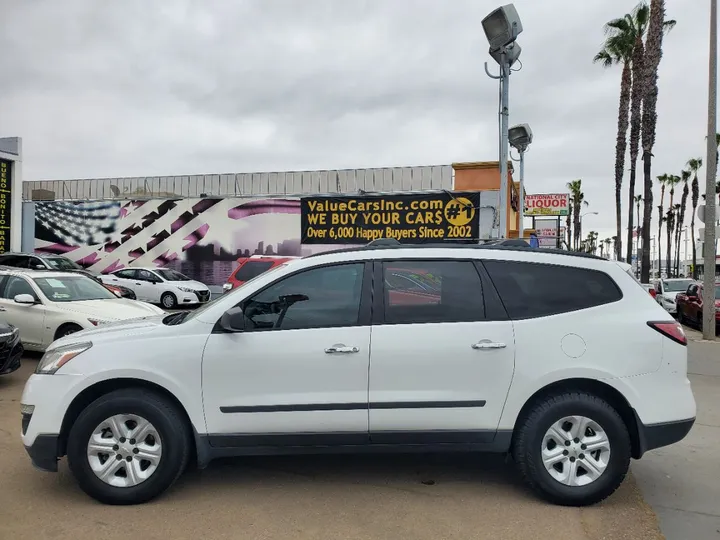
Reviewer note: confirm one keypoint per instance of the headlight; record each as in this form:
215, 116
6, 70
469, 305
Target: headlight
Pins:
97, 322
186, 289
227, 287
56, 358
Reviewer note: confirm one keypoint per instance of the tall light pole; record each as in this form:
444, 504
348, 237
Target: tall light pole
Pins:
502, 28
711, 171
520, 138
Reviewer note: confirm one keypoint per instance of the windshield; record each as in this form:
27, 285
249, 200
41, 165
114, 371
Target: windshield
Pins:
62, 263
172, 275
73, 289
177, 318
679, 285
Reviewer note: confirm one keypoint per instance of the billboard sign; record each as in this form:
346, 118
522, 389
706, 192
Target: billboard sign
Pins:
549, 204
410, 218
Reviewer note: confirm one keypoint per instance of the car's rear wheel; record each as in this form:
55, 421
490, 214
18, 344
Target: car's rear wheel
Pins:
573, 449
128, 446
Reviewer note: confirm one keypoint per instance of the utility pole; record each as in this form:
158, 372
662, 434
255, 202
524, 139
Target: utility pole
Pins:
711, 171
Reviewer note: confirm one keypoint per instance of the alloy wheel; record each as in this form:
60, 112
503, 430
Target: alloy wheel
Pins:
124, 450
575, 451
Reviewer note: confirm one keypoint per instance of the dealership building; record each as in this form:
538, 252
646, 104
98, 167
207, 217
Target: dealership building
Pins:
201, 224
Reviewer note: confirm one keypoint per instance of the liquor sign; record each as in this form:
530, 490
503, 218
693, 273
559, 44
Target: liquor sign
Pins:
549, 204
5, 204
410, 218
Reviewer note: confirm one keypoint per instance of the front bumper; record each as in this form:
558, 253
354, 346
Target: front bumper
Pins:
44, 452
197, 297
653, 436
11, 362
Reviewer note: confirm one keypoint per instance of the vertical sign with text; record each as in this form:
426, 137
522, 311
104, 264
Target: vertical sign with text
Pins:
5, 204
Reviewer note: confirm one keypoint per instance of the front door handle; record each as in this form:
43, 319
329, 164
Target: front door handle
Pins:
488, 345
339, 348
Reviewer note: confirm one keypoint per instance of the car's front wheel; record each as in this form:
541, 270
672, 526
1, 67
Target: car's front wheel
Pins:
573, 449
128, 446
168, 300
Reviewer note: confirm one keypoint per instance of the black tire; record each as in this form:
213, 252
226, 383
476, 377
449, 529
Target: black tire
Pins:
67, 329
165, 417
528, 442
168, 300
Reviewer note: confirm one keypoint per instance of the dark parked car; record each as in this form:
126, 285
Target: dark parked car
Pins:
10, 348
37, 261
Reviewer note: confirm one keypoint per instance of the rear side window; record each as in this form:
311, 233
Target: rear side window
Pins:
537, 290
432, 292
252, 269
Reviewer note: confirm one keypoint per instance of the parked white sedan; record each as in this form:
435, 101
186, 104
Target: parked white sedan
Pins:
46, 306
160, 286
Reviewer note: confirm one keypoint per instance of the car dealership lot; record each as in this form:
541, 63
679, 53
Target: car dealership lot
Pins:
397, 496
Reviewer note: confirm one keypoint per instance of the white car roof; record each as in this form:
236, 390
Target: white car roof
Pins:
37, 273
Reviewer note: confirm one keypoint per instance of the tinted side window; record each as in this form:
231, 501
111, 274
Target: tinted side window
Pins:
146, 275
318, 298
9, 260
125, 274
432, 292
537, 290
17, 285
252, 269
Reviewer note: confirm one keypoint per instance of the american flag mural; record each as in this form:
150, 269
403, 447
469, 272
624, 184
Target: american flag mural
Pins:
200, 237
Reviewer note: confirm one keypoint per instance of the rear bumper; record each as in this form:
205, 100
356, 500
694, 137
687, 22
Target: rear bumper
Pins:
44, 452
653, 436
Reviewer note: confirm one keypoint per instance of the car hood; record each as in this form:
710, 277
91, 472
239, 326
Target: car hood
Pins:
111, 309
670, 295
114, 330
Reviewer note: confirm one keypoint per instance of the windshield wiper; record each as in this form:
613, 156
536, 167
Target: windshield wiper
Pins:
175, 318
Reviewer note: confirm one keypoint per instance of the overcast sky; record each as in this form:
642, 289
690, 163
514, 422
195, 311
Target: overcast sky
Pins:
165, 87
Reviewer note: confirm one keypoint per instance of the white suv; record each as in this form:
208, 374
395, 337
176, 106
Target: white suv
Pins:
562, 360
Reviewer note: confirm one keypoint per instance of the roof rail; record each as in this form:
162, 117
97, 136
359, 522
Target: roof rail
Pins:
503, 245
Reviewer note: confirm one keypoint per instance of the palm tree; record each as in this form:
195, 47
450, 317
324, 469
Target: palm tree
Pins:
607, 243
685, 177
670, 219
662, 179
672, 180
618, 49
577, 198
614, 242
638, 200
694, 164
648, 79
568, 224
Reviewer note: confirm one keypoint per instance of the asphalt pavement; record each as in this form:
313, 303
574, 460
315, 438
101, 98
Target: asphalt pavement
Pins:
341, 497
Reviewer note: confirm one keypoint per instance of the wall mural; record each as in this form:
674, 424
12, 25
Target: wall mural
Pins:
201, 238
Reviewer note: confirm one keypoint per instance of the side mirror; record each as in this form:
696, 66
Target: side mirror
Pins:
38, 267
233, 320
26, 299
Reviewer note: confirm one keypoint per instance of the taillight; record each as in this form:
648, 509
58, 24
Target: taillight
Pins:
672, 330
653, 293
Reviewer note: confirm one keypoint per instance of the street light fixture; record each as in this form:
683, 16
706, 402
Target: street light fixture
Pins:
502, 27
520, 137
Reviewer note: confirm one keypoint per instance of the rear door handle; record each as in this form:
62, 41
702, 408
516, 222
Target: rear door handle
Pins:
488, 345
335, 349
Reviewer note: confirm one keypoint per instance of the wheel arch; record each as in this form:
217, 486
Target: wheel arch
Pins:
65, 324
98, 389
594, 387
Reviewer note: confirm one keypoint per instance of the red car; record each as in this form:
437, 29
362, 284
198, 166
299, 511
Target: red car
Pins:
250, 267
690, 305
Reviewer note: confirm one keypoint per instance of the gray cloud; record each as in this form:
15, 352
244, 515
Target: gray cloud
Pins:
182, 86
